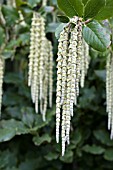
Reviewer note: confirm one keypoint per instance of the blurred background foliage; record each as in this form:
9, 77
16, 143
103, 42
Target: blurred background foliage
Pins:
27, 143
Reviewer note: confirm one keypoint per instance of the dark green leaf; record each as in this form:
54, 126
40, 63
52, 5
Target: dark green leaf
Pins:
13, 78
2, 36
78, 6
51, 156
67, 8
28, 116
103, 137
96, 36
8, 53
38, 140
52, 27
93, 7
77, 137
10, 14
59, 29
15, 126
101, 74
85, 1
96, 150
68, 157
106, 11
6, 134
20, 2
63, 19
33, 3
109, 154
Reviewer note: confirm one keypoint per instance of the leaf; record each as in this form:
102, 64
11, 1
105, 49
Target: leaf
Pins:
48, 9
24, 38
15, 126
10, 14
106, 12
6, 134
78, 6
8, 53
59, 29
28, 116
63, 19
51, 156
103, 137
101, 74
20, 3
109, 154
77, 137
68, 157
92, 8
2, 36
33, 3
67, 8
96, 150
39, 140
85, 1
96, 36
51, 27
13, 78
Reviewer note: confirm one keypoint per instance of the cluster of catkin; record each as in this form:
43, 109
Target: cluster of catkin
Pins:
40, 65
2, 61
72, 65
109, 91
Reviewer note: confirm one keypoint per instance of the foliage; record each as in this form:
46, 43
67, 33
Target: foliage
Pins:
28, 143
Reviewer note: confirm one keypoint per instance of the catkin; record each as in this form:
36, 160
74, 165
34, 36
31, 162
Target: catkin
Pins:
85, 60
109, 91
40, 65
1, 79
72, 65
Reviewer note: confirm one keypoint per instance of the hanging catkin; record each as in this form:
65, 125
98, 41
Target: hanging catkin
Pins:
72, 65
1, 79
84, 62
109, 91
40, 65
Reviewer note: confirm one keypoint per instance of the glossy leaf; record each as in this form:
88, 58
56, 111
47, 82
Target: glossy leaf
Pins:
96, 36
10, 14
2, 36
59, 29
33, 3
109, 154
96, 150
63, 19
103, 137
67, 8
6, 134
38, 140
78, 6
51, 156
93, 7
84, 1
106, 12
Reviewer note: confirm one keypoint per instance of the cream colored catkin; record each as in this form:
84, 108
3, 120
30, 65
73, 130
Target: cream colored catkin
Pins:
40, 65
2, 63
50, 73
79, 54
68, 77
109, 91
85, 60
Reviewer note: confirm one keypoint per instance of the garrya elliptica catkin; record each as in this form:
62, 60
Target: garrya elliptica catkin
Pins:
2, 61
84, 62
109, 91
40, 65
71, 70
